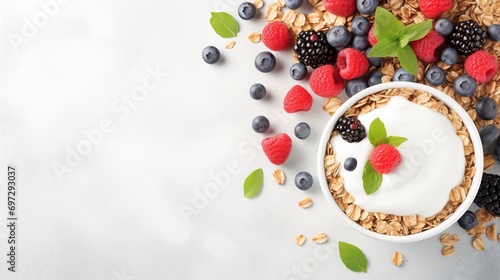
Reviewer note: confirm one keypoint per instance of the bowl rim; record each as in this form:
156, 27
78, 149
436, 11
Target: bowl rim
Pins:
452, 104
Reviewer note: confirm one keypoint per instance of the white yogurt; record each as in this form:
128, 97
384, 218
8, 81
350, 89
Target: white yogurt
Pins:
433, 161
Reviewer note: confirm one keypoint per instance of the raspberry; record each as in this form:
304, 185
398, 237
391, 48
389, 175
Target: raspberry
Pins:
384, 158
482, 66
427, 49
434, 8
326, 81
275, 36
343, 8
371, 37
352, 63
297, 99
277, 148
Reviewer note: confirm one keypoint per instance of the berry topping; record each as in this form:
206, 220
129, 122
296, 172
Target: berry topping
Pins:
298, 71
444, 27
374, 61
449, 56
313, 49
257, 91
494, 32
275, 36
489, 134
366, 7
260, 124
371, 37
360, 26
467, 37
468, 220
338, 36
326, 81
375, 78
482, 66
352, 63
465, 85
246, 10
293, 4
434, 8
277, 148
302, 130
401, 75
435, 76
343, 128
303, 180
486, 108
350, 164
211, 54
265, 62
343, 8
354, 86
489, 193
384, 158
297, 99
360, 43
427, 49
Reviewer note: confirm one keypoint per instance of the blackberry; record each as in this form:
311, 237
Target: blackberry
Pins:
467, 37
312, 48
488, 195
350, 129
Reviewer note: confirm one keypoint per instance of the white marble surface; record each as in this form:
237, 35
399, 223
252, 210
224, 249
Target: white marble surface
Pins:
114, 213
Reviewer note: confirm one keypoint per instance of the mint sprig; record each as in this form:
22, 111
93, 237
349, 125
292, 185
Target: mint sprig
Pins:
394, 38
377, 135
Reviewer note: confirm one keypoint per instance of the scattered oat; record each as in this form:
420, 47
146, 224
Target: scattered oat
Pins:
397, 259
478, 243
320, 238
449, 239
279, 176
448, 250
254, 37
491, 232
305, 202
258, 3
300, 239
230, 45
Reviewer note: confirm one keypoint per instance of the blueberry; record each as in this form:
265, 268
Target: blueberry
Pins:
435, 76
257, 91
494, 32
260, 124
489, 134
374, 61
486, 108
401, 75
293, 4
350, 164
360, 26
265, 62
302, 130
211, 54
449, 56
468, 220
444, 27
303, 180
465, 85
298, 71
367, 7
338, 36
375, 78
496, 152
354, 86
246, 10
360, 43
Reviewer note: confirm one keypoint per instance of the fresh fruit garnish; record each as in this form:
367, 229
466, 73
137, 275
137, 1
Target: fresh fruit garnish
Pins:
210, 54
298, 71
277, 148
257, 91
482, 66
401, 75
444, 26
265, 62
489, 134
343, 8
434, 8
293, 4
467, 37
360, 43
488, 195
465, 85
313, 49
374, 61
360, 26
384, 158
326, 81
297, 99
494, 32
486, 108
468, 220
449, 56
350, 164
247, 10
435, 76
350, 129
338, 36
260, 124
371, 36
354, 86
352, 63
375, 78
275, 36
427, 49
302, 130
367, 7
303, 180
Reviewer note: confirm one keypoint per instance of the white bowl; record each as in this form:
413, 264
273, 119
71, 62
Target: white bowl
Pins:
474, 136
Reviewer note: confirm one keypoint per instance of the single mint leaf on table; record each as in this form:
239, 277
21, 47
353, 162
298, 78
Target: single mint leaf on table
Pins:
387, 25
352, 257
417, 31
371, 179
384, 47
377, 133
224, 24
253, 183
395, 141
408, 59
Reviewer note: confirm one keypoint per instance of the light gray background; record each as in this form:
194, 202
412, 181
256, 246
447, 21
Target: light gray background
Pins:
117, 215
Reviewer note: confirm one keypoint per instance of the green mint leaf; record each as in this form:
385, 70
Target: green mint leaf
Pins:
377, 133
395, 141
387, 25
253, 183
404, 40
371, 179
224, 24
384, 47
352, 257
408, 59
417, 31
